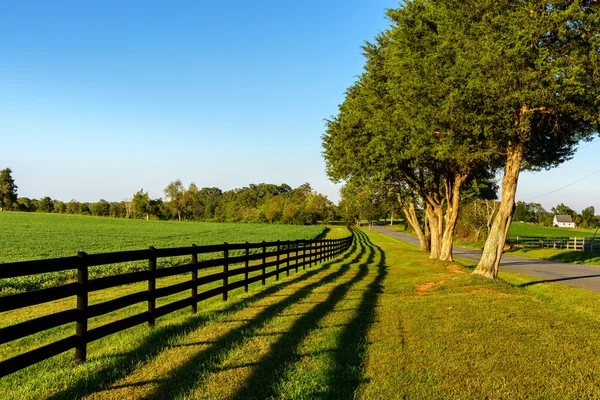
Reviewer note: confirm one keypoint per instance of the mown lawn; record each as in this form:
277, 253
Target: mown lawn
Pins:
559, 255
381, 322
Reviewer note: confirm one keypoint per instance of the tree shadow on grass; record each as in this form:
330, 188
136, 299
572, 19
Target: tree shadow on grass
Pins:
576, 257
182, 380
271, 370
570, 278
160, 338
323, 234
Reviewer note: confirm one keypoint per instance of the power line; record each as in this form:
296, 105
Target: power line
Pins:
572, 183
564, 187
589, 144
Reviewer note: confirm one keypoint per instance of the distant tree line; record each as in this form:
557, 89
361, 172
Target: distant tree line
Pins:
266, 203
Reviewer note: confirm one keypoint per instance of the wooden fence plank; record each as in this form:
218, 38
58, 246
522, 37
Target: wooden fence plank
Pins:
24, 360
24, 268
313, 251
116, 304
24, 329
117, 326
26, 299
117, 280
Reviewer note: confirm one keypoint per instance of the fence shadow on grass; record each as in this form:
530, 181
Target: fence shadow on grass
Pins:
350, 355
265, 378
160, 337
183, 379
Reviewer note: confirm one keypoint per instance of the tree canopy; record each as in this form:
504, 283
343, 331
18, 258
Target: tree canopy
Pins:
453, 90
8, 190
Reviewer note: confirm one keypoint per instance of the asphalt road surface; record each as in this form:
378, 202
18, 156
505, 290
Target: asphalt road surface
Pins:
581, 276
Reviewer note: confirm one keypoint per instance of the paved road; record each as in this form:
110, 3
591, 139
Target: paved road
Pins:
580, 276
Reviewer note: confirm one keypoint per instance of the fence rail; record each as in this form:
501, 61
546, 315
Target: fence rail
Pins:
282, 257
570, 243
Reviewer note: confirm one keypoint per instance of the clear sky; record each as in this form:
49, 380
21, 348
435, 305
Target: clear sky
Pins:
101, 99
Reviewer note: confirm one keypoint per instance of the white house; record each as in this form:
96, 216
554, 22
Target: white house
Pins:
563, 221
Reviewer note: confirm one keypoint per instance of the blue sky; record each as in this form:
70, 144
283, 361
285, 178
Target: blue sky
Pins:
100, 99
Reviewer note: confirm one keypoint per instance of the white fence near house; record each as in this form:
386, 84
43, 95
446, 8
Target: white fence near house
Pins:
569, 243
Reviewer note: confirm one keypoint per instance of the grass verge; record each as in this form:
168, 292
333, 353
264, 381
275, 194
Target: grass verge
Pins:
381, 322
558, 255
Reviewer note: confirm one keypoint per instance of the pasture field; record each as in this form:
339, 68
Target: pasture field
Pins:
383, 321
524, 229
30, 236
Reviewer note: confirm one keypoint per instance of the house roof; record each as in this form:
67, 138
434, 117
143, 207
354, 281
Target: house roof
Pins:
563, 218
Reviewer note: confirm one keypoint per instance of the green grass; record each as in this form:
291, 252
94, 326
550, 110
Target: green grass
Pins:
524, 229
558, 255
381, 322
30, 236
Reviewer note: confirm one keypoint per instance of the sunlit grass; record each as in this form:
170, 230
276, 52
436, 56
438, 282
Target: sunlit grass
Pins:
381, 322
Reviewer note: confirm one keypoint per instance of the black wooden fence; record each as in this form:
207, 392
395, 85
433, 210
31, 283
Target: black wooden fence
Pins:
273, 258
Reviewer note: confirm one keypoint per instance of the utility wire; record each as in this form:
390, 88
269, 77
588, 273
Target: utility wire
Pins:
589, 144
572, 183
564, 187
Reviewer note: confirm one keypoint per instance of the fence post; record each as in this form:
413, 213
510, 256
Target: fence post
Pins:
264, 261
194, 280
321, 250
296, 257
304, 255
225, 272
82, 304
310, 253
151, 286
246, 265
277, 266
287, 259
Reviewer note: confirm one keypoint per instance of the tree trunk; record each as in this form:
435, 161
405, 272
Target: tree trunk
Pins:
435, 216
179, 215
453, 202
410, 212
494, 245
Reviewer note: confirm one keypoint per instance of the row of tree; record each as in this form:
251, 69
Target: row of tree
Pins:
454, 92
254, 203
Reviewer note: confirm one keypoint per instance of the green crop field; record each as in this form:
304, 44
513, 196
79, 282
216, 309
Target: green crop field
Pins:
30, 236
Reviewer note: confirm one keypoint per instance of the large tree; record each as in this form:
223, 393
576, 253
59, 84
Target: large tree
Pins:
536, 78
176, 195
405, 119
459, 88
8, 190
140, 204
